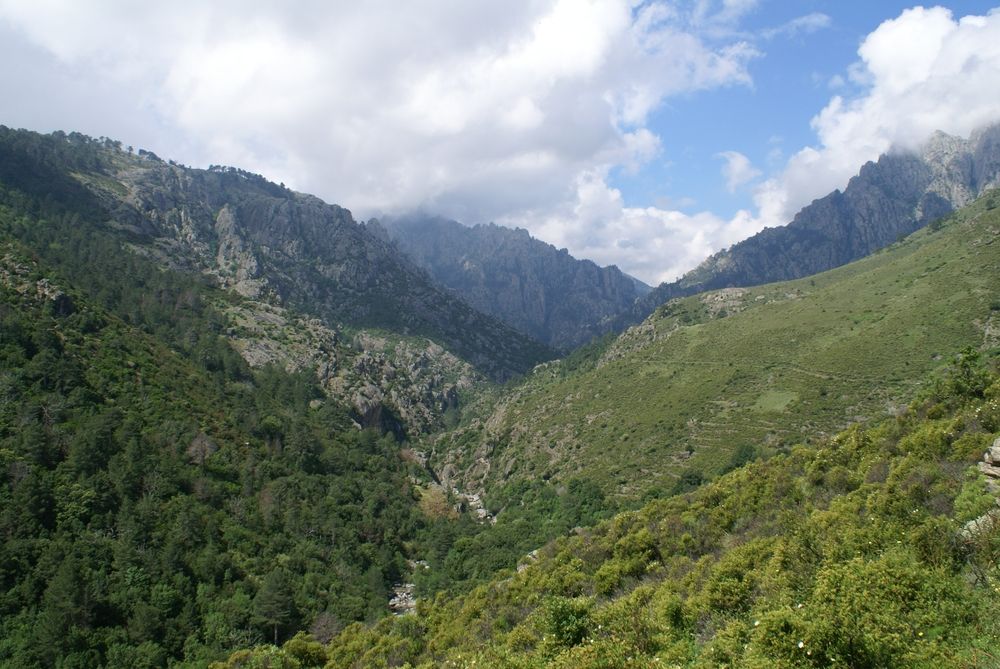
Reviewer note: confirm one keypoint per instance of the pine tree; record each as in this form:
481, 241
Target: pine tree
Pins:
273, 606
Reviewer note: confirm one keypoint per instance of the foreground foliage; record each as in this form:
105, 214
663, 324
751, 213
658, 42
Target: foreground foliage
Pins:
847, 554
159, 501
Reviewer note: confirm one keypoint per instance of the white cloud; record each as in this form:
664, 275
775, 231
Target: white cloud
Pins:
481, 111
512, 111
385, 106
659, 244
720, 17
922, 71
836, 82
802, 25
738, 170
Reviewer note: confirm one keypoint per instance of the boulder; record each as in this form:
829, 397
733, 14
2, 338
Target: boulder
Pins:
992, 455
989, 470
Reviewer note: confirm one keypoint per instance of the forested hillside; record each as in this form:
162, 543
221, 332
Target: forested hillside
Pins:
161, 501
187, 478
856, 551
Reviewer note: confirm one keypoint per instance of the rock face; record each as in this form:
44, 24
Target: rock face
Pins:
16, 275
402, 385
990, 466
888, 199
539, 290
263, 241
309, 289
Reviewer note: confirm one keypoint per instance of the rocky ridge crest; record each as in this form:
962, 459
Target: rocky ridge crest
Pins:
890, 198
541, 291
265, 242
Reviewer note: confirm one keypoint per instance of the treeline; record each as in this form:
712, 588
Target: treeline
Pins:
159, 501
875, 548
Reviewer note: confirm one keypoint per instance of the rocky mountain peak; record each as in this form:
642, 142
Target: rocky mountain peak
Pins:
541, 291
950, 161
941, 148
889, 198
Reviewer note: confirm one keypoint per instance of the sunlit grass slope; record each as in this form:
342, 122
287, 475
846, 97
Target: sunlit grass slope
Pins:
853, 552
705, 379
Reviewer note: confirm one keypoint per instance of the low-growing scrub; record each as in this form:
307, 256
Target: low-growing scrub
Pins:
849, 553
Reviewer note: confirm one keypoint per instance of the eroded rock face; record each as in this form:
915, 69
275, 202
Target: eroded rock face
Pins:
309, 284
16, 274
235, 262
266, 242
395, 384
534, 287
992, 455
888, 199
990, 466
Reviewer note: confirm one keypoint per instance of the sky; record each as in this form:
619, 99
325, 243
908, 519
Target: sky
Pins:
645, 134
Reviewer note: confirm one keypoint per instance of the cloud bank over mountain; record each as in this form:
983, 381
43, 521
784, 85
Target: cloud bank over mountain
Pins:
923, 71
510, 112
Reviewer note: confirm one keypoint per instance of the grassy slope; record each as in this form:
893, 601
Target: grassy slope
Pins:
764, 366
845, 554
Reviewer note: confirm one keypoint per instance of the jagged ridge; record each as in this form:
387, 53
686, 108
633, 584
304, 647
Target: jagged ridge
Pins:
264, 241
534, 287
887, 200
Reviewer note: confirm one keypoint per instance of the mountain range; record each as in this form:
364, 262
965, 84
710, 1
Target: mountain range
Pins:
236, 424
890, 198
262, 241
565, 302
541, 291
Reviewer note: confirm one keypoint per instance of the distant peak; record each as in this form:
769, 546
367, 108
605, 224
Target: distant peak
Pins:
941, 147
986, 132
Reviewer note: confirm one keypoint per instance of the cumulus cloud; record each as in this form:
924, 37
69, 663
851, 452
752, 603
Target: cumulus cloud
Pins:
515, 112
737, 170
481, 111
380, 105
659, 244
923, 71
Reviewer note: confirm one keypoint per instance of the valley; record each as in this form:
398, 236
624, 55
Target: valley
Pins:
706, 379
241, 428
545, 334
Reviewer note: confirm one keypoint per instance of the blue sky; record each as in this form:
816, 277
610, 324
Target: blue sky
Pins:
642, 133
767, 120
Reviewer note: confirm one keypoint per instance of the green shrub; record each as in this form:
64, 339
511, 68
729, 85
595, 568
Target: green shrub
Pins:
566, 621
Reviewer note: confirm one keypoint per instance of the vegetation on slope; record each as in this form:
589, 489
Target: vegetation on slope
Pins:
163, 502
160, 501
245, 494
712, 379
848, 553
258, 239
